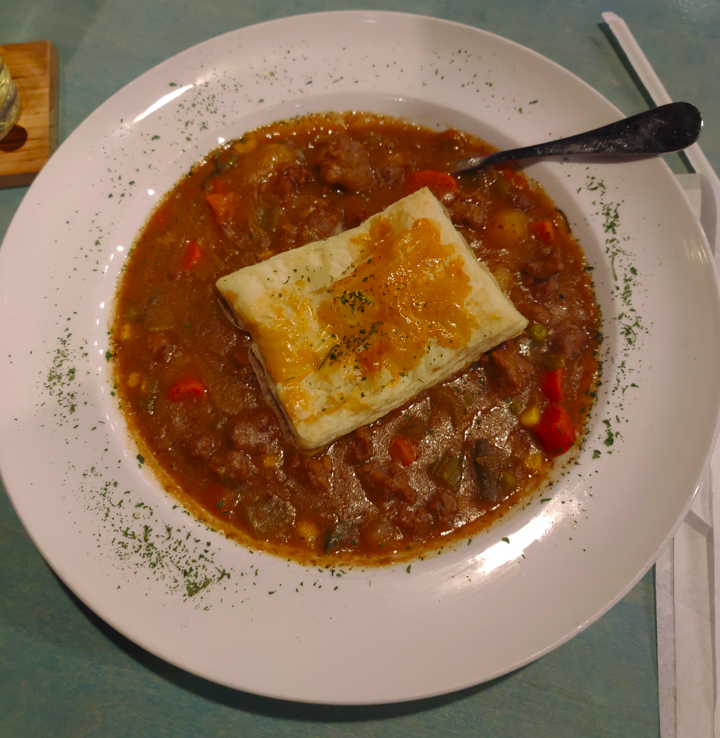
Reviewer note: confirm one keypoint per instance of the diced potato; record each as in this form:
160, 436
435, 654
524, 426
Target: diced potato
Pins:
307, 530
126, 332
507, 228
134, 380
260, 164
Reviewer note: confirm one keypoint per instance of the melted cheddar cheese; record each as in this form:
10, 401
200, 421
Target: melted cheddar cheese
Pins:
350, 328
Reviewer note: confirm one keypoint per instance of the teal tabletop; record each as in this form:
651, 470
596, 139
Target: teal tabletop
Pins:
64, 672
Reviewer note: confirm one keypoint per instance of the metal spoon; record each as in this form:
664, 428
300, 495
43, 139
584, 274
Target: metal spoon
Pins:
662, 130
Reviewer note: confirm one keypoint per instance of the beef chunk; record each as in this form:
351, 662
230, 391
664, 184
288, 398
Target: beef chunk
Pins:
323, 222
444, 506
569, 341
534, 311
548, 264
392, 175
315, 470
234, 465
362, 445
418, 523
346, 163
521, 201
544, 289
465, 212
510, 368
199, 446
384, 482
161, 346
290, 179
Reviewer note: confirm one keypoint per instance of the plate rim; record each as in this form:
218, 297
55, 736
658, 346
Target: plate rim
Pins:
358, 14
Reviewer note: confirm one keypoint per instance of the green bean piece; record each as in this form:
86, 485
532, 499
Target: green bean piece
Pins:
447, 470
538, 333
413, 429
448, 398
503, 186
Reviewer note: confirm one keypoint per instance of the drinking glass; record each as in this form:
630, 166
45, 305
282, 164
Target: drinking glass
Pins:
9, 101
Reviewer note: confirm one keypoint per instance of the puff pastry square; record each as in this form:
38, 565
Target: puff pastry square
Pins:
349, 328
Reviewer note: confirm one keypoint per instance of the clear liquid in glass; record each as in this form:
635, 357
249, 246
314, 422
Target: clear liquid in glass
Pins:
9, 101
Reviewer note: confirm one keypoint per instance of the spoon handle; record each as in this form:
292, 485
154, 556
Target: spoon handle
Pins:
661, 130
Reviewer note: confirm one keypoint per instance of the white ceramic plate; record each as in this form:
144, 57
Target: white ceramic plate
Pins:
262, 624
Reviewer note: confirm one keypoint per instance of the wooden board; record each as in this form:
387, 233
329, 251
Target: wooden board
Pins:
24, 151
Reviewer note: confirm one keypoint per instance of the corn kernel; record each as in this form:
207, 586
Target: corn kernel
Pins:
530, 416
533, 462
133, 380
270, 460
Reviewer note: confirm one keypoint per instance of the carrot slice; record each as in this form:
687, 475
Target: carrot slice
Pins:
219, 186
191, 256
544, 230
221, 203
186, 389
437, 182
402, 450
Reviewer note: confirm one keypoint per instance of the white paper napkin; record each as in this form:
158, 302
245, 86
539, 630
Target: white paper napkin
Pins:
686, 602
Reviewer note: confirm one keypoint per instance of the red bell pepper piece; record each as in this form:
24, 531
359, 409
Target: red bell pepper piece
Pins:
191, 256
222, 204
185, 389
219, 186
544, 230
437, 182
402, 450
555, 430
552, 386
